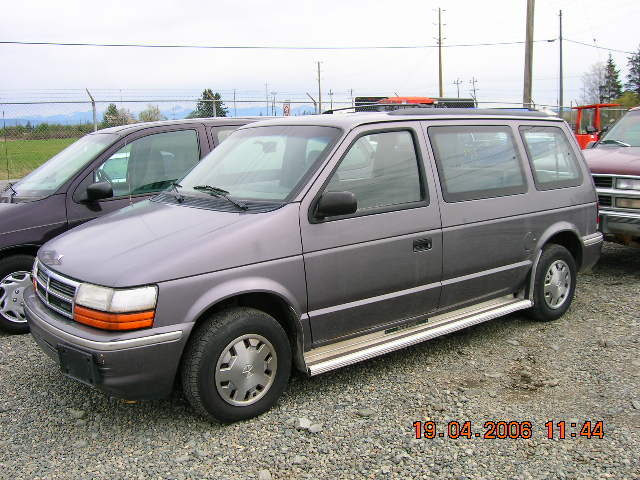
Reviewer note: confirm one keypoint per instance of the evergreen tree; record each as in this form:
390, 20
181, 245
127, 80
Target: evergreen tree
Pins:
633, 77
612, 88
208, 101
115, 116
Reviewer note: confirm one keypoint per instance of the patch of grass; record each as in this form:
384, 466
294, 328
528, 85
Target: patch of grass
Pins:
26, 155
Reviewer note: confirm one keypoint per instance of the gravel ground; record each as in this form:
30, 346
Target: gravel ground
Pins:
584, 366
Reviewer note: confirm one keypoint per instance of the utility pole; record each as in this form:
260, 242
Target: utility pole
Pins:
319, 91
266, 95
235, 110
528, 56
440, 89
473, 82
331, 97
457, 84
561, 93
273, 105
351, 94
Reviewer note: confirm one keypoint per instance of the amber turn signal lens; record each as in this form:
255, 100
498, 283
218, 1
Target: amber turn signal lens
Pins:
113, 321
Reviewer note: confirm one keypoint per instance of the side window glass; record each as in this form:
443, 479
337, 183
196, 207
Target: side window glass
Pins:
553, 161
476, 162
149, 164
380, 169
220, 133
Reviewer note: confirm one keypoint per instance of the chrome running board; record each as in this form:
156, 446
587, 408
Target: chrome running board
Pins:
346, 352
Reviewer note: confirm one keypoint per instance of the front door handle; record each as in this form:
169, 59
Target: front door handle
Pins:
422, 244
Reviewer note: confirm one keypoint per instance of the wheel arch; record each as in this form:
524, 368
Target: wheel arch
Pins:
272, 299
27, 249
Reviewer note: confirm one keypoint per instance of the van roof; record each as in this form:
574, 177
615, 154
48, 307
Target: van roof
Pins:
213, 121
350, 120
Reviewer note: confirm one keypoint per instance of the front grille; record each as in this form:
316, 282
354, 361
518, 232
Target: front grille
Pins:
56, 291
604, 200
603, 182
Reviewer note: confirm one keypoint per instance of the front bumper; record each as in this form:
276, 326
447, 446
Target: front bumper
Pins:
591, 248
619, 223
136, 365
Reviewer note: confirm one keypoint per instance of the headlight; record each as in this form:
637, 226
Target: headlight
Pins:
115, 309
628, 184
628, 202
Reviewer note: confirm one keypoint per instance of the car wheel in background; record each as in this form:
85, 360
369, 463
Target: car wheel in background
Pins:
15, 276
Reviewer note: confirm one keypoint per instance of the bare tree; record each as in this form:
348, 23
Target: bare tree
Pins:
592, 81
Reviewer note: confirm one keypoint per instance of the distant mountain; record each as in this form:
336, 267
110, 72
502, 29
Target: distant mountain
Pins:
175, 113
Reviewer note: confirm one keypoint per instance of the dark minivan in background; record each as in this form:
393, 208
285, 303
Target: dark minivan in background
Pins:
100, 173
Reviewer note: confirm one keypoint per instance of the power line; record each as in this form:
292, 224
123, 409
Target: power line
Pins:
596, 46
263, 47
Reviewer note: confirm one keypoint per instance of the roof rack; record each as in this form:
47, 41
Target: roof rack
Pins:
468, 111
396, 106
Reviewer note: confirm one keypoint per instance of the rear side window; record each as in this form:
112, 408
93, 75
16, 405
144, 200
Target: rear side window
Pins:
477, 162
553, 161
381, 170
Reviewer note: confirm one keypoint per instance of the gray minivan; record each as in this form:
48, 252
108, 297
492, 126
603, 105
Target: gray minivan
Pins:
318, 242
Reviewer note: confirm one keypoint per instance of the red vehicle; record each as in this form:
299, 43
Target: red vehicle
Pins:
408, 100
588, 126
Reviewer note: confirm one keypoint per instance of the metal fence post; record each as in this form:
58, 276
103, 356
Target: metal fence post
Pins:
93, 106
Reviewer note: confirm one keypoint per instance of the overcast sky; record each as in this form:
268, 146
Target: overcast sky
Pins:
54, 71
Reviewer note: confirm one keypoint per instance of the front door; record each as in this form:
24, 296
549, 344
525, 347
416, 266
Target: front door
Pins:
382, 265
137, 168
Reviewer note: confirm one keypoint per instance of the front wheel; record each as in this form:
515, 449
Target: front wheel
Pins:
555, 283
15, 276
236, 365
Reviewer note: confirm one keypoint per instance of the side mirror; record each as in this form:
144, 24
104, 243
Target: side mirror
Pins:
98, 191
333, 204
590, 129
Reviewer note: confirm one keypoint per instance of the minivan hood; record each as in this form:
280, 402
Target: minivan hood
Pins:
613, 160
151, 242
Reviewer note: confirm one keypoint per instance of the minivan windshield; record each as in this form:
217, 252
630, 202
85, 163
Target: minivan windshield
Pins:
261, 163
48, 177
625, 133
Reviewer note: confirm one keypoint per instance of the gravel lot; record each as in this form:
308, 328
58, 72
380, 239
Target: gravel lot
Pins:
584, 366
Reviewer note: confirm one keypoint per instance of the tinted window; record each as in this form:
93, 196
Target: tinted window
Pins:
476, 162
149, 164
552, 159
381, 169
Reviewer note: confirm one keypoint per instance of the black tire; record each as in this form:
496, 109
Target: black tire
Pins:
541, 309
205, 350
9, 265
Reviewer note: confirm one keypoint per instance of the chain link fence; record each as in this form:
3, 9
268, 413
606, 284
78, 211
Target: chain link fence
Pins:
32, 132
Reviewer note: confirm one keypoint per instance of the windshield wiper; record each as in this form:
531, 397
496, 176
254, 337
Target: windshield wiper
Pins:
615, 142
221, 193
176, 192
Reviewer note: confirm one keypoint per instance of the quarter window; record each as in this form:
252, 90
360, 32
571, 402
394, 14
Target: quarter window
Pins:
149, 164
476, 162
553, 161
380, 169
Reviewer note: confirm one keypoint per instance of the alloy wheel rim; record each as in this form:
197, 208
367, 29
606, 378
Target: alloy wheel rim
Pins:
12, 296
246, 370
557, 284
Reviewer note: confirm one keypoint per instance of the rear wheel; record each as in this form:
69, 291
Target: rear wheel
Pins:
236, 365
15, 276
555, 283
